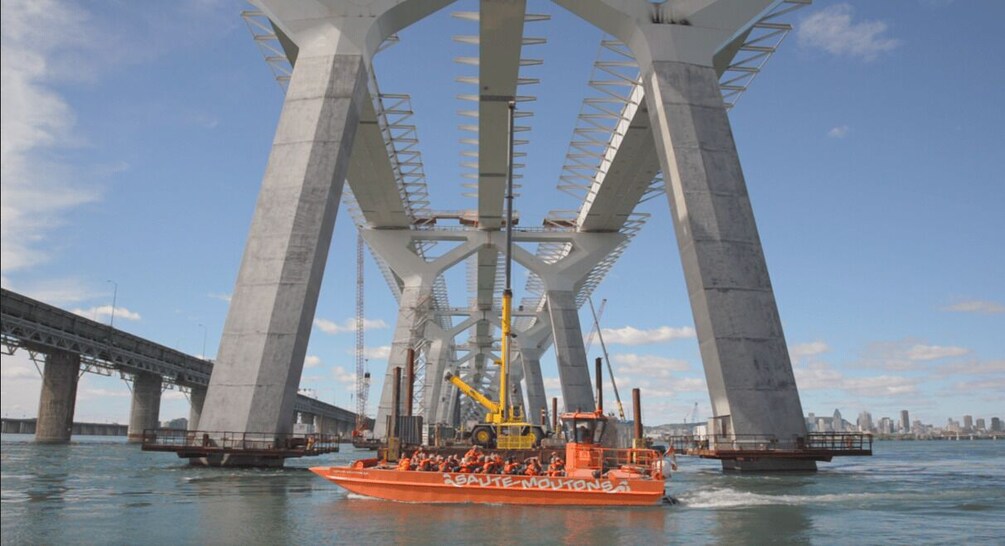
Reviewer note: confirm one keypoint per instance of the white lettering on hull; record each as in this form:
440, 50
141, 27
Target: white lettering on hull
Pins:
536, 482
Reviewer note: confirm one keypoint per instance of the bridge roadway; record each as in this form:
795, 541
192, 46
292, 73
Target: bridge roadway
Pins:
71, 343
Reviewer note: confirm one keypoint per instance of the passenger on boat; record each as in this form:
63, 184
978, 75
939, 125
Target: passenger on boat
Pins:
473, 453
493, 464
511, 466
405, 463
557, 467
533, 467
426, 464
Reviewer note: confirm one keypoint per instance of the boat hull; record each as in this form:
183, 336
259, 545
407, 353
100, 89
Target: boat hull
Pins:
451, 487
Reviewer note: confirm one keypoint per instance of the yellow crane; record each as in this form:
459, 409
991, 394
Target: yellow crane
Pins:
504, 426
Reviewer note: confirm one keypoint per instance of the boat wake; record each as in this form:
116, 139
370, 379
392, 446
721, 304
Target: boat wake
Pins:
730, 498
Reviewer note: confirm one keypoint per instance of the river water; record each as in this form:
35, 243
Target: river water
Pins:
101, 490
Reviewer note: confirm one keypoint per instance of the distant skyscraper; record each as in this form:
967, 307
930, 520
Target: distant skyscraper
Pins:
837, 422
996, 424
865, 422
886, 426
980, 425
905, 421
968, 423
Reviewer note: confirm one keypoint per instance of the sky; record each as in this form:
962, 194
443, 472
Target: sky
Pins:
135, 135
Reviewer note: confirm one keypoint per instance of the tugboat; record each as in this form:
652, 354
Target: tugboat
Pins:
593, 475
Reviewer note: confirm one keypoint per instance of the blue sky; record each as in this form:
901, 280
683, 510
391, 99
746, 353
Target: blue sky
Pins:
135, 136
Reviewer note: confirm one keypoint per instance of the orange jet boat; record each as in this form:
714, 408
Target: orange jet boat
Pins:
593, 475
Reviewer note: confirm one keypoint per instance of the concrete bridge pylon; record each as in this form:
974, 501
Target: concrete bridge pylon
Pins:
743, 349
255, 379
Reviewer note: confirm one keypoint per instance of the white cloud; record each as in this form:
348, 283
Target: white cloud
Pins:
833, 30
378, 353
803, 350
344, 376
55, 291
648, 366
976, 306
94, 393
218, 296
840, 131
18, 369
884, 385
973, 367
817, 375
50, 42
311, 361
690, 384
629, 335
907, 354
347, 325
101, 312
934, 352
36, 121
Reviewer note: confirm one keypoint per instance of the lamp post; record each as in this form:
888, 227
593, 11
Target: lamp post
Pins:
203, 326
115, 293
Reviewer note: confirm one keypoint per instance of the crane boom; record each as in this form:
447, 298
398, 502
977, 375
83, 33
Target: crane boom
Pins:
362, 375
495, 410
610, 370
596, 325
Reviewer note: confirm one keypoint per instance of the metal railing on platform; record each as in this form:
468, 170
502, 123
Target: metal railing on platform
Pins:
814, 444
197, 442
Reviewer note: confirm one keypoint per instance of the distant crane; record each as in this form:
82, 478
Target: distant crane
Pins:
692, 415
362, 374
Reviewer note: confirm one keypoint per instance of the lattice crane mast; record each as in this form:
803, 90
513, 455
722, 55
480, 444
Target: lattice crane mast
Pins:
362, 374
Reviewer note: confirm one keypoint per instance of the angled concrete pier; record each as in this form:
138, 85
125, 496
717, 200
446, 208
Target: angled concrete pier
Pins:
743, 349
261, 356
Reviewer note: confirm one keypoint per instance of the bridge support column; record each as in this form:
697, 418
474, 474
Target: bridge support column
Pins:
415, 303
577, 391
144, 412
58, 398
196, 398
743, 349
537, 400
739, 330
436, 365
255, 379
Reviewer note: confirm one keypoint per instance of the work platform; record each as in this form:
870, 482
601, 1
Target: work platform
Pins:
210, 448
816, 446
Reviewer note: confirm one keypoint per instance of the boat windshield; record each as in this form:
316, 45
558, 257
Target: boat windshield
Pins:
583, 431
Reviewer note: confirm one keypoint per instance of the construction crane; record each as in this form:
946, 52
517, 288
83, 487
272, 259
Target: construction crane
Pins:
692, 414
596, 325
504, 426
362, 374
603, 346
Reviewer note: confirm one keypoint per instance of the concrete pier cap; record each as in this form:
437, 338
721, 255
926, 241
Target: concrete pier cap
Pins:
337, 27
688, 31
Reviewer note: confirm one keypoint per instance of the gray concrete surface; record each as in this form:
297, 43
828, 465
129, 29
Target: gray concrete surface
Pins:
58, 398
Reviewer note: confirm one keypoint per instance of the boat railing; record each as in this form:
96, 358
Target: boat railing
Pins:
616, 458
166, 439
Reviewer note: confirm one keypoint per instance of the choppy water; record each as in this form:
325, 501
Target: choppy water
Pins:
97, 490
